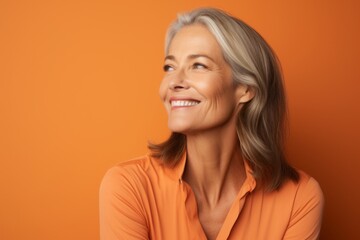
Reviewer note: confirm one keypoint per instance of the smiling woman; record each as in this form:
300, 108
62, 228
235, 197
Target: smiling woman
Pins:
222, 174
198, 78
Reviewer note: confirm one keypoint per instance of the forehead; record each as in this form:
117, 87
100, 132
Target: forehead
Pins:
194, 39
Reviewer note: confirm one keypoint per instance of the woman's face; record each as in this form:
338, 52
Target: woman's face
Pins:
197, 89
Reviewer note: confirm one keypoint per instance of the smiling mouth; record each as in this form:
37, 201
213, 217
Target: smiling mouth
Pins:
183, 103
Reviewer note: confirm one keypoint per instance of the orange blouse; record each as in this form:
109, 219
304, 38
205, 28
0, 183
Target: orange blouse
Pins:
143, 199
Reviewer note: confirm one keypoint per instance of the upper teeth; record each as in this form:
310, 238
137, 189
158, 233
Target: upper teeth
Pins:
183, 103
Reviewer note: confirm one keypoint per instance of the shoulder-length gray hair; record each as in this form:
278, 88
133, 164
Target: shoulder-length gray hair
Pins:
260, 124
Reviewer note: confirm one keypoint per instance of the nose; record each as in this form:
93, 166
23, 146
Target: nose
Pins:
178, 81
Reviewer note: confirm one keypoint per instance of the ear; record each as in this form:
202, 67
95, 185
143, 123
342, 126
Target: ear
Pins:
244, 93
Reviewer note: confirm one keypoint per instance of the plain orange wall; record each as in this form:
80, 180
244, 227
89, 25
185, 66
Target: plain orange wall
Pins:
78, 93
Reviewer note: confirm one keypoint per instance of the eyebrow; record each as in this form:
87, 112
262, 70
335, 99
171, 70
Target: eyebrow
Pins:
192, 56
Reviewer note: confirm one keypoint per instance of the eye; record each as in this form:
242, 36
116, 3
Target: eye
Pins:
168, 68
199, 66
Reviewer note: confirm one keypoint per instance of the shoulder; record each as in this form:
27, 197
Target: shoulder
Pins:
134, 178
302, 192
122, 200
129, 168
307, 208
308, 193
129, 173
126, 185
305, 187
296, 195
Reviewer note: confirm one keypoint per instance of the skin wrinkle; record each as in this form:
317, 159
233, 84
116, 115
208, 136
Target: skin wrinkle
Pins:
246, 58
216, 197
217, 165
217, 158
189, 78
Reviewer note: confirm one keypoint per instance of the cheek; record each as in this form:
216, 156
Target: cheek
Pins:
215, 91
222, 99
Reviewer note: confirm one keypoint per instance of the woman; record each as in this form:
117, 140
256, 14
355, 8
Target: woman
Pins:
222, 173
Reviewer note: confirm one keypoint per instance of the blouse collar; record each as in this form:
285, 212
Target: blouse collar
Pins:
176, 173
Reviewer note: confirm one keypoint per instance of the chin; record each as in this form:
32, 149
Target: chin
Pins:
178, 128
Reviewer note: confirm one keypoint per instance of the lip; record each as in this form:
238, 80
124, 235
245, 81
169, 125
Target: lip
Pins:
183, 102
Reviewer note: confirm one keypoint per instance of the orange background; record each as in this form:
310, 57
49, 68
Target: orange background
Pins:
78, 93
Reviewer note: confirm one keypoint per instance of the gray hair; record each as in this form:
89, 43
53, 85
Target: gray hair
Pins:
260, 124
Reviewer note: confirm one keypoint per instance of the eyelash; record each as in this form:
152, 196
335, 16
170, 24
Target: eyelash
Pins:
195, 65
167, 67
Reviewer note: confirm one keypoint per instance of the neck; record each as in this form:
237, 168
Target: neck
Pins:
214, 168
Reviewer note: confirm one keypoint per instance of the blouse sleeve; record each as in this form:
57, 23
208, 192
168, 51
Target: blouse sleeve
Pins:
305, 222
121, 216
